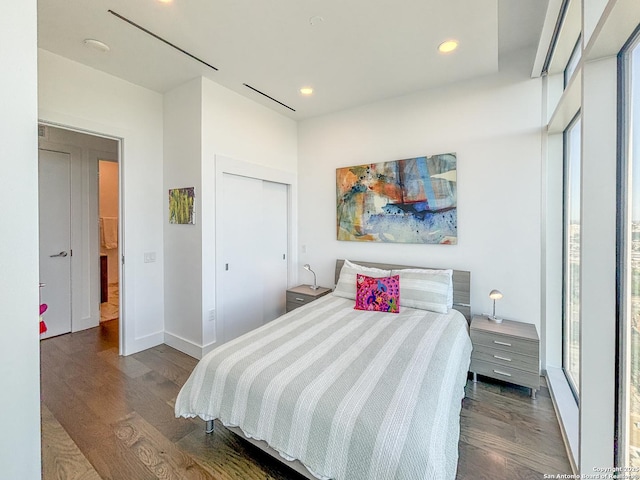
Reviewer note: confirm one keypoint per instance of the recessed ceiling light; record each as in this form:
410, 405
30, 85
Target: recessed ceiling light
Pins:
315, 20
448, 46
165, 1
306, 91
96, 44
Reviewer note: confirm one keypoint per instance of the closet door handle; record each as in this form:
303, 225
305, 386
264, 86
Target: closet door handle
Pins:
61, 254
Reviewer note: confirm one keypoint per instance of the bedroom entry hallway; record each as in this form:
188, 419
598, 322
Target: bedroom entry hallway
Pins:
79, 236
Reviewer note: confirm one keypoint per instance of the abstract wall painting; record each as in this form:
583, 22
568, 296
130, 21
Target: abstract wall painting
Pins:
403, 201
182, 206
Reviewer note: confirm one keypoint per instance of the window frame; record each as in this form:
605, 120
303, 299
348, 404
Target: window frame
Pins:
565, 251
623, 247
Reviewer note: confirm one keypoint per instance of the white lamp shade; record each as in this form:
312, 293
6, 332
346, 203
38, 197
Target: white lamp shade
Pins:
495, 294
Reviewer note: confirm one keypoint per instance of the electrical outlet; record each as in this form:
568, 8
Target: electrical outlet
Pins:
149, 257
212, 315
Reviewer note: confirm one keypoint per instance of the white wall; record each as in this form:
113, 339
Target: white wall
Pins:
238, 128
592, 10
73, 95
553, 250
183, 243
203, 119
598, 265
19, 347
494, 126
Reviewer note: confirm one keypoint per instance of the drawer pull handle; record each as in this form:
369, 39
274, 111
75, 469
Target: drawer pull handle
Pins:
502, 373
298, 299
502, 358
502, 343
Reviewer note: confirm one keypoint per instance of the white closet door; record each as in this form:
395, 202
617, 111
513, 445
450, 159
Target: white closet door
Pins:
274, 249
242, 282
254, 240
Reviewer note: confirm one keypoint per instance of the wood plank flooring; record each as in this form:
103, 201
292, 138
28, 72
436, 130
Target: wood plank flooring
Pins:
111, 417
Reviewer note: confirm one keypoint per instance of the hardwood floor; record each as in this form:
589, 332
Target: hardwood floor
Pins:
111, 417
506, 435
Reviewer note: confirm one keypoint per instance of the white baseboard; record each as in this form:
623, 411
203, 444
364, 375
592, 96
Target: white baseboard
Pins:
185, 346
209, 347
143, 343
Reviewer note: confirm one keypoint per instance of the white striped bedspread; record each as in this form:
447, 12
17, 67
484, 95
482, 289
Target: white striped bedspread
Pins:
351, 394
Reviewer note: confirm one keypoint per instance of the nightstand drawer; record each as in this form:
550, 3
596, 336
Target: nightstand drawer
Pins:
299, 298
303, 294
506, 373
505, 343
509, 359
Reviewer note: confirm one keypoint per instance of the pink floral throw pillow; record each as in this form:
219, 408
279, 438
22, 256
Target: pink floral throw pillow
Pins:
378, 294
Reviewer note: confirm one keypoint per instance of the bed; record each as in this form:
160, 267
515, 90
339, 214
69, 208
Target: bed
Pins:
338, 393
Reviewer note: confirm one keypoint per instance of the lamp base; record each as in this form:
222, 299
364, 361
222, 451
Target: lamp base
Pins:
314, 287
494, 319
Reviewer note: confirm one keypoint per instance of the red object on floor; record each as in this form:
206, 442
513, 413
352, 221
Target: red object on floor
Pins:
43, 326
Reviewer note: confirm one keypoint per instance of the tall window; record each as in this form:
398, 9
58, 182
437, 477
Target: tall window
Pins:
571, 283
629, 262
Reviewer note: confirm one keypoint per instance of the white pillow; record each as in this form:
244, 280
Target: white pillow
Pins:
426, 289
346, 286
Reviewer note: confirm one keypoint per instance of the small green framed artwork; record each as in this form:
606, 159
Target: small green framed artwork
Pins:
182, 206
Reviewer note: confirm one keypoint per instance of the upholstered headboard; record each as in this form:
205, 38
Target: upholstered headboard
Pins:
461, 283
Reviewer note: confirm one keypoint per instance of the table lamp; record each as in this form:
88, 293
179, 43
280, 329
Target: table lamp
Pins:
495, 295
315, 285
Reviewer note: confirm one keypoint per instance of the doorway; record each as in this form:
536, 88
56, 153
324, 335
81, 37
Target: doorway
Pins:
108, 200
71, 237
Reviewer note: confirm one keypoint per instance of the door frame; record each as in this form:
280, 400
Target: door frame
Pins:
213, 274
121, 234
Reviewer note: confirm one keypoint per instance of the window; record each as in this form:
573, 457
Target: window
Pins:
629, 257
571, 273
574, 59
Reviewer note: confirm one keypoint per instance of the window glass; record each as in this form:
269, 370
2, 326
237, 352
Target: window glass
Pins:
574, 59
571, 283
630, 266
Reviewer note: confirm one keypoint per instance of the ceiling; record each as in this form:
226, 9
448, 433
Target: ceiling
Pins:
351, 52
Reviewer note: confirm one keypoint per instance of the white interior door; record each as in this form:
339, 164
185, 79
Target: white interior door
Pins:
254, 241
274, 249
242, 282
54, 183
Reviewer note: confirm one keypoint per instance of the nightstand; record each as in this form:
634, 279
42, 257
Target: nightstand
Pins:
303, 294
508, 351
